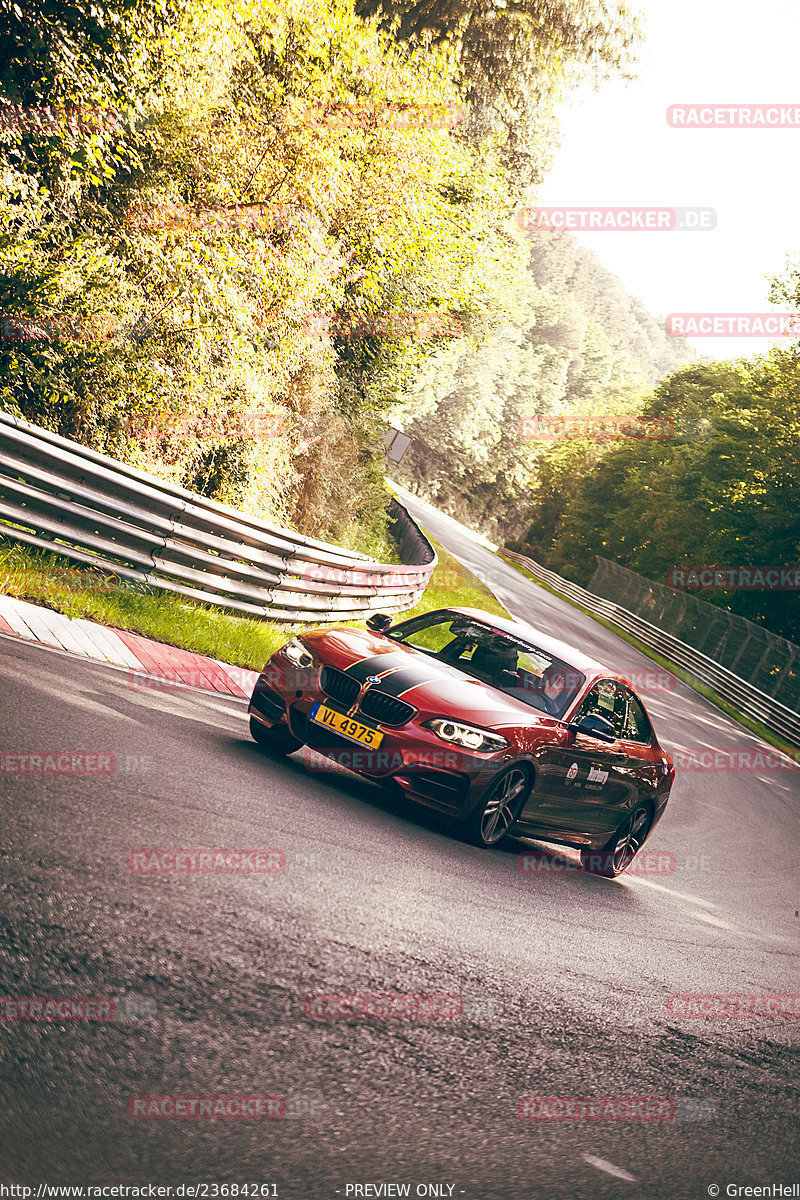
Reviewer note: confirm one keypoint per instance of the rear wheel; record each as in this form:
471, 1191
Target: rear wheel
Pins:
276, 738
620, 851
499, 808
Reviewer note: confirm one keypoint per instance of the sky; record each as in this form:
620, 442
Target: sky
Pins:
617, 149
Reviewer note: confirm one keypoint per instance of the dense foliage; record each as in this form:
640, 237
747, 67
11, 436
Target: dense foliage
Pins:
490, 421
514, 58
723, 492
550, 437
233, 233
721, 489
561, 265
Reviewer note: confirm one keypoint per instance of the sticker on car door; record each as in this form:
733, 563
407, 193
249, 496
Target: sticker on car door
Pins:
596, 777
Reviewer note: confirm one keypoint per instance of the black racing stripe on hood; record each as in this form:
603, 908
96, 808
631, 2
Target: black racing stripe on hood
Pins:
376, 664
406, 678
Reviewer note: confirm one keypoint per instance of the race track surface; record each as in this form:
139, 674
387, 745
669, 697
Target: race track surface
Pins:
564, 978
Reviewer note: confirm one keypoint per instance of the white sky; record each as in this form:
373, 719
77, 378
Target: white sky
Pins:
617, 149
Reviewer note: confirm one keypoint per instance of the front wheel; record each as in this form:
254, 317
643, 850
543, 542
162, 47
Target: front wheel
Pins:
499, 808
276, 738
620, 851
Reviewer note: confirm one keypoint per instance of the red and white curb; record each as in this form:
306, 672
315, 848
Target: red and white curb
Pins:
150, 664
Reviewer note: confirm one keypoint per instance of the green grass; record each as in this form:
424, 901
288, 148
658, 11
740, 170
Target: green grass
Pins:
55, 582
454, 586
767, 735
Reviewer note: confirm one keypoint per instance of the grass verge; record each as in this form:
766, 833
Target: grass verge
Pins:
55, 582
453, 586
48, 579
708, 693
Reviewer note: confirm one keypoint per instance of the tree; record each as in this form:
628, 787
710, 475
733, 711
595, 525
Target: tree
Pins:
515, 59
724, 491
242, 246
489, 421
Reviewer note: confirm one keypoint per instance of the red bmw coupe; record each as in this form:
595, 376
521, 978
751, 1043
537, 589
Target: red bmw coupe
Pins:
482, 718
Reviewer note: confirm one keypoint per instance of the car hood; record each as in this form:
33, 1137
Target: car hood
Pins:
428, 684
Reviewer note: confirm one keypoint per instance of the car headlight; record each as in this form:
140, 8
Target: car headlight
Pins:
468, 736
297, 654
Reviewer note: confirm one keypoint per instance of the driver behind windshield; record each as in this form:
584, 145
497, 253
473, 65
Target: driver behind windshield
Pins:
518, 668
496, 659
552, 689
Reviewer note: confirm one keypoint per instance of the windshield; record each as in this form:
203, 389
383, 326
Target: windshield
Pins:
519, 668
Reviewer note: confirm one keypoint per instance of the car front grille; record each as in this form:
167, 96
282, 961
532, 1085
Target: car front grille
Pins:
378, 705
386, 709
339, 686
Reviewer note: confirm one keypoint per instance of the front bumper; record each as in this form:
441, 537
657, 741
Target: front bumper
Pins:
429, 771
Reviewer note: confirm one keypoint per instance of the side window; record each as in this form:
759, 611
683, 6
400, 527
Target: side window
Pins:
637, 726
606, 699
588, 705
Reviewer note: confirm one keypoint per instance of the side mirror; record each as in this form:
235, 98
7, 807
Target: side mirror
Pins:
596, 726
379, 622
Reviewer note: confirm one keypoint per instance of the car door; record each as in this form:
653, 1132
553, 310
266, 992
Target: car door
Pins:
638, 741
587, 785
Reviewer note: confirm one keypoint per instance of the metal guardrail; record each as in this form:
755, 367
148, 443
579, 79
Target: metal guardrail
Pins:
769, 662
58, 495
743, 695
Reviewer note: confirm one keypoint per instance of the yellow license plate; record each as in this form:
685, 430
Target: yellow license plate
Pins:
346, 726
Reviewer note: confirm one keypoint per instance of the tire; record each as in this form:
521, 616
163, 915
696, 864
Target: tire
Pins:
619, 852
277, 738
499, 808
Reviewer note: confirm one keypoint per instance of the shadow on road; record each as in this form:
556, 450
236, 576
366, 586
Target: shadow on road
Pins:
519, 863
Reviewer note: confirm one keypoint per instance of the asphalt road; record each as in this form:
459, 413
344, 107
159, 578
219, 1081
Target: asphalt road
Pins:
564, 977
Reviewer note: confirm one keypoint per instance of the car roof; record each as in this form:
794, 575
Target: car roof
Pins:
521, 629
